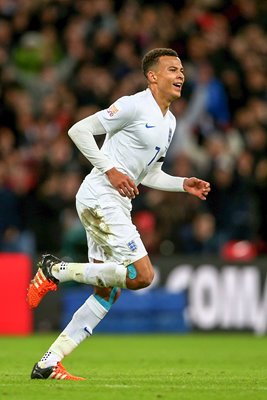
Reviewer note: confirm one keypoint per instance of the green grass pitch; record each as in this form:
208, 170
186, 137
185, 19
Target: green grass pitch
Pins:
141, 367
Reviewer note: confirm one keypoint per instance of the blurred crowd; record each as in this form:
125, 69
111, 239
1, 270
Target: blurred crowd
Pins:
63, 60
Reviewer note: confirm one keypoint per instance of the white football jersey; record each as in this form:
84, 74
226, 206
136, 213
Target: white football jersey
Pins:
137, 136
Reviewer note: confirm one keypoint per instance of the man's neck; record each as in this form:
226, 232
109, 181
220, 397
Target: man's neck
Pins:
163, 103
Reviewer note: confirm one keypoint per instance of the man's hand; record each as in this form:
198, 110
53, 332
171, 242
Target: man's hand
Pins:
124, 185
197, 187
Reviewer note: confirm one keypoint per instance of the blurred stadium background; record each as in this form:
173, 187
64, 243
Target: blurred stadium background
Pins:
63, 60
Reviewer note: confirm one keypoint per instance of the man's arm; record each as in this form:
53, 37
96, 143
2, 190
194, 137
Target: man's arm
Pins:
158, 179
82, 134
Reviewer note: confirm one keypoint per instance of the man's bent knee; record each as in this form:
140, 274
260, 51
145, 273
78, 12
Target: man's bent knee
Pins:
139, 279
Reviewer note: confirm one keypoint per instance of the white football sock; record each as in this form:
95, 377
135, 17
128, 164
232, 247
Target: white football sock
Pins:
85, 319
61, 347
107, 274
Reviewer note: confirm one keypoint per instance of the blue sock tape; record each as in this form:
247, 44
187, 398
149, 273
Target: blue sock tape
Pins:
113, 293
107, 303
132, 273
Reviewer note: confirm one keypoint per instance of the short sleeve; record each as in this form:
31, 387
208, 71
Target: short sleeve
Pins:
118, 115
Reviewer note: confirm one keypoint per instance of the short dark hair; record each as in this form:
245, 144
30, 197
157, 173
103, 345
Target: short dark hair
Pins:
151, 58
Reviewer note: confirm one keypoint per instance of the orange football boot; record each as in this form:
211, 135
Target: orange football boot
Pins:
56, 372
43, 280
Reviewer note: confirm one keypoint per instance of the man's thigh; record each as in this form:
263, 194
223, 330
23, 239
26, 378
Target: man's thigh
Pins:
111, 235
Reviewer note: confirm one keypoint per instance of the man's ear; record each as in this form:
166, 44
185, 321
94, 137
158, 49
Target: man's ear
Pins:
152, 77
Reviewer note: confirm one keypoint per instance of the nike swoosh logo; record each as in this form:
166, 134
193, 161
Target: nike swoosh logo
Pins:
87, 331
150, 126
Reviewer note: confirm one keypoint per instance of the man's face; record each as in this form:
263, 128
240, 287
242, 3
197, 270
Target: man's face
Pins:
169, 76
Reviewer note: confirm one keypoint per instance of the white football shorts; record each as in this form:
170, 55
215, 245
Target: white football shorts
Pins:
111, 235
